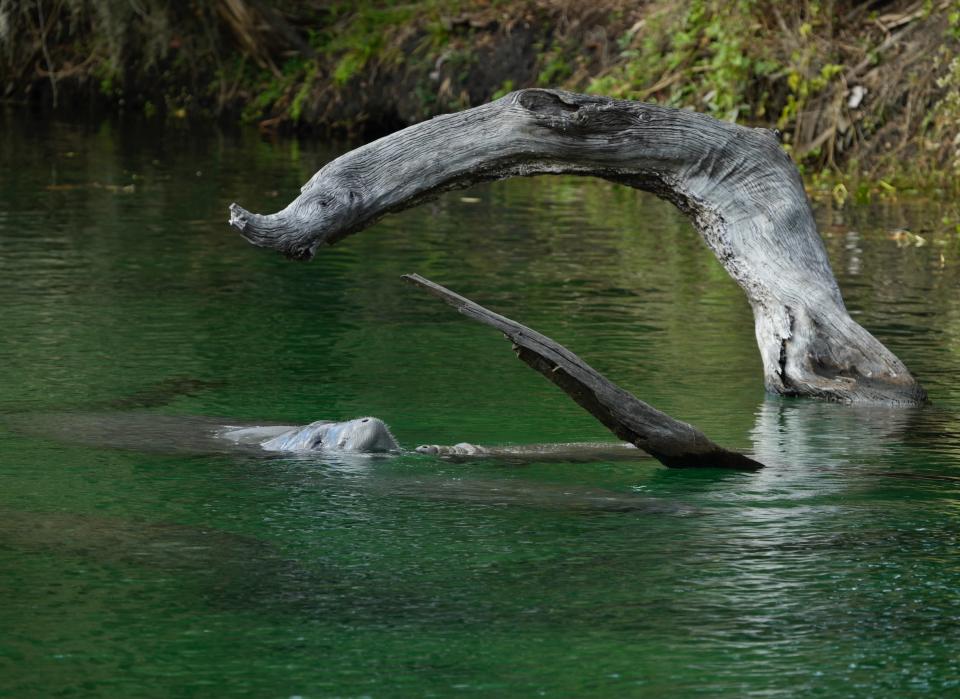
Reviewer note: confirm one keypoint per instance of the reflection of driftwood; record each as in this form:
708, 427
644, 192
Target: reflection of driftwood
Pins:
739, 188
670, 441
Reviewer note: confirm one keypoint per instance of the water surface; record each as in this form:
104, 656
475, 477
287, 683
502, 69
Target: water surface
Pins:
162, 572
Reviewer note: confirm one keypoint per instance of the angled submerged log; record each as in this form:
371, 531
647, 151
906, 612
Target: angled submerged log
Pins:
673, 443
740, 190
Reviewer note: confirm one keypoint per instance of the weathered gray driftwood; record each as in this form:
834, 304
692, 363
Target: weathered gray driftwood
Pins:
741, 191
673, 443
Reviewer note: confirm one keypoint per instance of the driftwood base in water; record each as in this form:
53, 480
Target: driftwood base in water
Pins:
675, 444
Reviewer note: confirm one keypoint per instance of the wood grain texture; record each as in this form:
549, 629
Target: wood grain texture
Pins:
673, 443
741, 191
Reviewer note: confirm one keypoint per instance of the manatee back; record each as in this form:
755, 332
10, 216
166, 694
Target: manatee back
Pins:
254, 436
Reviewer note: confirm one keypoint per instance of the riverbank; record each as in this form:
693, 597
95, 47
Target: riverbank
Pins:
867, 95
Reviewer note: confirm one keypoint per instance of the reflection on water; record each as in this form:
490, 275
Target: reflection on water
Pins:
160, 571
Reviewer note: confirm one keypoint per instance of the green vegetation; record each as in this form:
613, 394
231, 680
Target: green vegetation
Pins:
696, 58
867, 95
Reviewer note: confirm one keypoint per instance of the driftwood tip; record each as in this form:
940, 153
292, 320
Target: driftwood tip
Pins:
269, 232
238, 216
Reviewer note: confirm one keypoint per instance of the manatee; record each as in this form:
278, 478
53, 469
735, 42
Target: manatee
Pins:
563, 451
142, 430
149, 431
351, 446
371, 435
367, 435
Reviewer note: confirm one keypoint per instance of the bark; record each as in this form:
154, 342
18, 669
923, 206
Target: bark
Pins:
740, 190
673, 443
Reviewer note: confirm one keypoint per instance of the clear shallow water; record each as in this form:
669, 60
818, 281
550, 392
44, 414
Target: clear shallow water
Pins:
157, 572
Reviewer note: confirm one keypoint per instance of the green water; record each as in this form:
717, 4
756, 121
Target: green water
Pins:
152, 573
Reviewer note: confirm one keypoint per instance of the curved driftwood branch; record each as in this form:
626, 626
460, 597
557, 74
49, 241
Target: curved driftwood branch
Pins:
673, 443
741, 191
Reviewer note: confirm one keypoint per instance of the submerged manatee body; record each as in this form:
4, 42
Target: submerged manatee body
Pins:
577, 452
148, 431
350, 446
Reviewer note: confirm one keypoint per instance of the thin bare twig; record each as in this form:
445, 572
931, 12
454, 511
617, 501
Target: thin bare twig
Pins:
46, 53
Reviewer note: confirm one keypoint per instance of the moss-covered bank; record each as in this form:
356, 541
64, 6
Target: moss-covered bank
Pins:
864, 91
